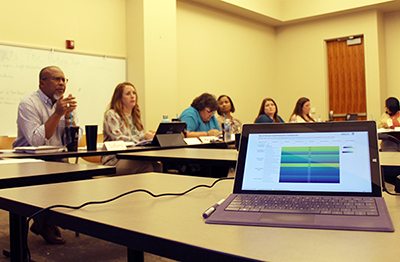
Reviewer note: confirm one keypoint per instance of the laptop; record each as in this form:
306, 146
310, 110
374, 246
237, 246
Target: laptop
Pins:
301, 175
169, 134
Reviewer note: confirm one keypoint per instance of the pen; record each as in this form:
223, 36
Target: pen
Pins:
210, 210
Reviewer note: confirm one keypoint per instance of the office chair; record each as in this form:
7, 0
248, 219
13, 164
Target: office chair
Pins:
351, 117
6, 142
389, 143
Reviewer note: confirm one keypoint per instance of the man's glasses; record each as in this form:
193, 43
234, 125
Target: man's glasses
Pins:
57, 79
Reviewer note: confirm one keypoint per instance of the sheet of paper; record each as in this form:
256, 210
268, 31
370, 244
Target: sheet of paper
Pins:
19, 160
208, 139
114, 145
192, 140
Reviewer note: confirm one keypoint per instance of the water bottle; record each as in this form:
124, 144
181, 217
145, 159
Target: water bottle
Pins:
227, 130
165, 119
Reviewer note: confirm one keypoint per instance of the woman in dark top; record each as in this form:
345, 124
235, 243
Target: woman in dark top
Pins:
268, 112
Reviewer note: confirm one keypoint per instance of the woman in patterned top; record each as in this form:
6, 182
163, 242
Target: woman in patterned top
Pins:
225, 110
122, 122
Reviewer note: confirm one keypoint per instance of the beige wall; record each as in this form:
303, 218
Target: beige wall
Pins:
221, 53
195, 49
97, 26
152, 57
302, 63
295, 9
392, 37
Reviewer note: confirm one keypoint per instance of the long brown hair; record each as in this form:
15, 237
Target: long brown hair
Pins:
262, 110
116, 104
298, 109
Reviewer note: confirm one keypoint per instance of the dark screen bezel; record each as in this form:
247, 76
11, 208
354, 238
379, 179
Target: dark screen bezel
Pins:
369, 126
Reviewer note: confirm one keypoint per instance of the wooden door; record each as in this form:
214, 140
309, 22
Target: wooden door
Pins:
346, 73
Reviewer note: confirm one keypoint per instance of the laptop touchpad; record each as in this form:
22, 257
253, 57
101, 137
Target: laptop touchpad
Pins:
286, 218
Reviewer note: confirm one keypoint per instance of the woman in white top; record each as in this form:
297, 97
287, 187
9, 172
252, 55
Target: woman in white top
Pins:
122, 122
301, 112
391, 117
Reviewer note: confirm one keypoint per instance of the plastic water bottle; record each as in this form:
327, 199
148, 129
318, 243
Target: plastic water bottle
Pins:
227, 130
165, 119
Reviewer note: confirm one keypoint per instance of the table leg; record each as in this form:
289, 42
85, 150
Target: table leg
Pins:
135, 255
18, 230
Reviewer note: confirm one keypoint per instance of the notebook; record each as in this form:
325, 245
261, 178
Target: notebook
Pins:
332, 168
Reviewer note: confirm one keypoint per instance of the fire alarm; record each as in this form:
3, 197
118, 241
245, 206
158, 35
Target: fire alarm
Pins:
70, 44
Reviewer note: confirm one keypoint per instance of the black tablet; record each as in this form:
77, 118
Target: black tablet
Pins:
169, 134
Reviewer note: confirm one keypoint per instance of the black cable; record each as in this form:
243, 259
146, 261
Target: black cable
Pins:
390, 193
384, 189
112, 199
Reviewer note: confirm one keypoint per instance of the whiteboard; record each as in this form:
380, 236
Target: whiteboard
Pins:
92, 80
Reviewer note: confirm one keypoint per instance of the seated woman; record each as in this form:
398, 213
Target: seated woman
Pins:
122, 122
391, 118
268, 112
301, 112
225, 110
200, 118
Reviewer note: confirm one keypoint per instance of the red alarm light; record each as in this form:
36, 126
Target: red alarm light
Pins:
70, 44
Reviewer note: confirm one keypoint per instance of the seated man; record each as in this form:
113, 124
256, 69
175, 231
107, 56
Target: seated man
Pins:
42, 117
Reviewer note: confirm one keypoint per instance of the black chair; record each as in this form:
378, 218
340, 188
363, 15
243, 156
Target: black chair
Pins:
351, 117
389, 143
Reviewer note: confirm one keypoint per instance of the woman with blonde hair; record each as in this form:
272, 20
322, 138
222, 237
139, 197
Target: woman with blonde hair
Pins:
122, 122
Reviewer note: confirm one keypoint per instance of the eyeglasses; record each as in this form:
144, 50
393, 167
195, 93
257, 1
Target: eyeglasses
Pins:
57, 79
209, 111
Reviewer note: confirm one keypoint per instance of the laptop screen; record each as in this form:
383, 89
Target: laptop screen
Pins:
330, 161
319, 157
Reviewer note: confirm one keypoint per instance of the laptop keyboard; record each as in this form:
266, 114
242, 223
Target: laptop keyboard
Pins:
352, 206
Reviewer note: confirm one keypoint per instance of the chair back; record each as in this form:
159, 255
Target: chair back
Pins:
92, 159
6, 142
389, 143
